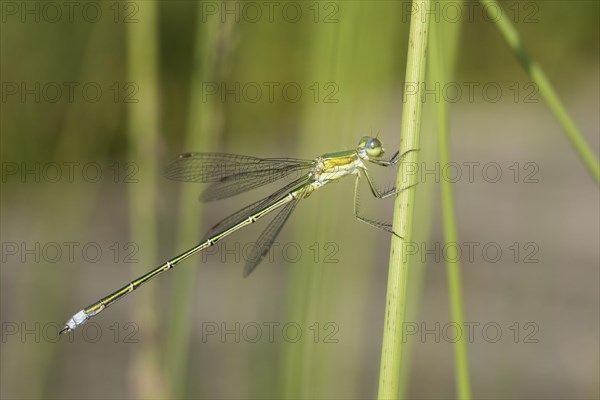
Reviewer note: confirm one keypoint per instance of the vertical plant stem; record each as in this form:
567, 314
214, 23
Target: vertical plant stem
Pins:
142, 68
444, 47
438, 67
391, 353
203, 126
539, 77
305, 297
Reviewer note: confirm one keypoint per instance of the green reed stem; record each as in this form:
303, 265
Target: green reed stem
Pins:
536, 73
142, 68
438, 67
391, 353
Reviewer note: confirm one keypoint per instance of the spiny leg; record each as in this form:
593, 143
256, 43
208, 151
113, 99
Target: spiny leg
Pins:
386, 193
377, 224
386, 163
394, 160
380, 195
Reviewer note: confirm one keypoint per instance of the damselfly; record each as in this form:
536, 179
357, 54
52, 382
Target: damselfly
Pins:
234, 174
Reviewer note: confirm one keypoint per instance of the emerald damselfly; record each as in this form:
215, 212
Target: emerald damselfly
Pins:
232, 174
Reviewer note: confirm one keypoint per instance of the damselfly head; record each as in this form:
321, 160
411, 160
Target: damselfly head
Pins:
372, 146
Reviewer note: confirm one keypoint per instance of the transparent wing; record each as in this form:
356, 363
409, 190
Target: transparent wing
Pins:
251, 209
267, 238
211, 167
231, 174
242, 182
216, 167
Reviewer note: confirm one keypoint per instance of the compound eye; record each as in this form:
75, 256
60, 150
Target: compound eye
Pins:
373, 143
374, 147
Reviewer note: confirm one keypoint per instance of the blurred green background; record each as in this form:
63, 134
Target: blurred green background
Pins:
97, 97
